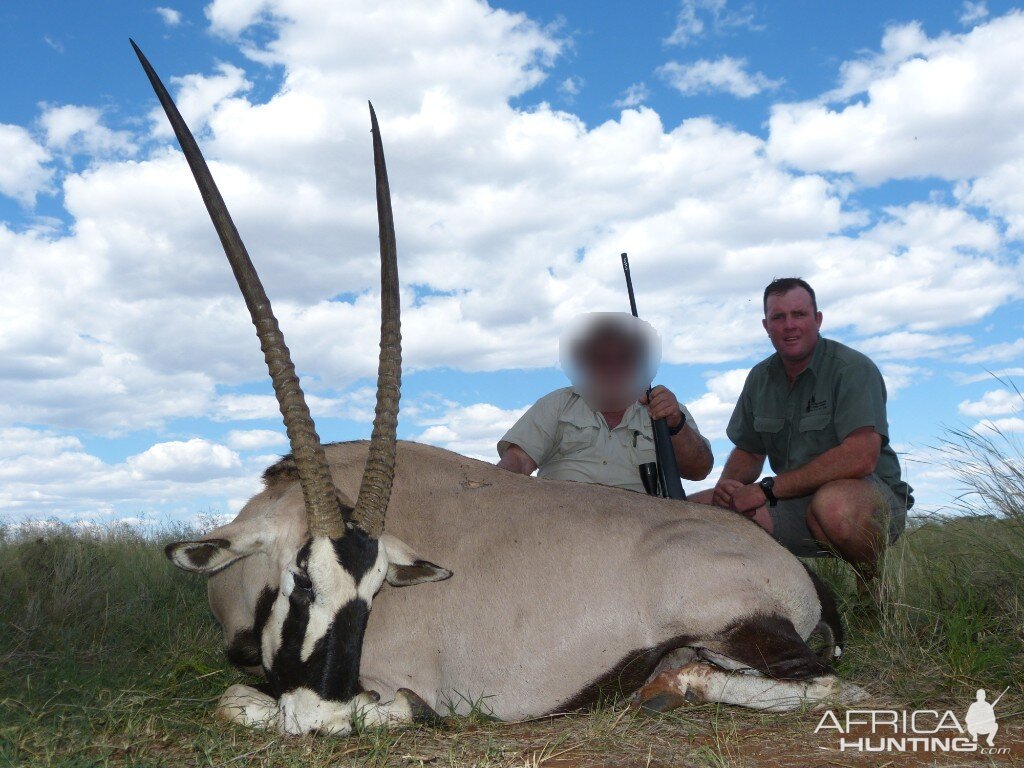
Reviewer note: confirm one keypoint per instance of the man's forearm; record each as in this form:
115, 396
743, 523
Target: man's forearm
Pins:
517, 460
693, 457
743, 466
852, 459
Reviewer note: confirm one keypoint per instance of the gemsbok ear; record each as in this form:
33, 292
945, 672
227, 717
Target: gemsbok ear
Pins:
208, 556
406, 568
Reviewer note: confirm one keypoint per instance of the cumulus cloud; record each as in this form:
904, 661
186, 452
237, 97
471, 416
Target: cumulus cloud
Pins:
194, 459
996, 353
76, 129
48, 474
713, 409
24, 172
997, 402
948, 106
472, 430
255, 439
725, 75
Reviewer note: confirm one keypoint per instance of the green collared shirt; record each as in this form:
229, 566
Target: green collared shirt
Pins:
840, 391
569, 440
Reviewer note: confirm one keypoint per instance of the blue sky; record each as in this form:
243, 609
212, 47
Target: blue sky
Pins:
873, 150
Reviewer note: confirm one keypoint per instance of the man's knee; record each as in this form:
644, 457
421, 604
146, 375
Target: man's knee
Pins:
845, 510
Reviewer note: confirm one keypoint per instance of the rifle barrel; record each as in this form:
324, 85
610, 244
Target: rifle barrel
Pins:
668, 469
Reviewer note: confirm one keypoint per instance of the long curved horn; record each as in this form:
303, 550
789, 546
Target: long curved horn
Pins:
375, 488
324, 514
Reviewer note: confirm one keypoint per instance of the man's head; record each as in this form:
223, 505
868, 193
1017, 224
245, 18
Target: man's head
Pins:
610, 357
791, 318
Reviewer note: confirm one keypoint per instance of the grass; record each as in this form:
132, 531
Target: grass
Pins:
109, 656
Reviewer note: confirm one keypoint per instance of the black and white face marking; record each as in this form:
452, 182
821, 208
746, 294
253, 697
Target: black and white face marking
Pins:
312, 641
308, 629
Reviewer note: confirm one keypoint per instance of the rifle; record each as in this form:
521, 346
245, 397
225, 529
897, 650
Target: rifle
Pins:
669, 484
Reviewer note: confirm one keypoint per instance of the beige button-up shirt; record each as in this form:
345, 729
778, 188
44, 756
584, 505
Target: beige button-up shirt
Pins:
569, 440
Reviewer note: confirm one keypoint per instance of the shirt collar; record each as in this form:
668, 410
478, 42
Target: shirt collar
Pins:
631, 418
775, 362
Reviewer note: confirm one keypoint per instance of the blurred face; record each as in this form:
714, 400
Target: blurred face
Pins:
611, 366
792, 325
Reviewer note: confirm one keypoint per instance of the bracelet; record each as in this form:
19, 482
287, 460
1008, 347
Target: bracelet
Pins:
673, 431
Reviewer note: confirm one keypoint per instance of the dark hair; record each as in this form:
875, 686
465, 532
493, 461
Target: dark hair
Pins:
781, 285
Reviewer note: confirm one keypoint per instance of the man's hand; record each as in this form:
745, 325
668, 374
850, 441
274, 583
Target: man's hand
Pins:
722, 494
747, 499
662, 404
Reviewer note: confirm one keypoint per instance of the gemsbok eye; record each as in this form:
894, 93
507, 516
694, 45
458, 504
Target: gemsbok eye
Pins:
303, 582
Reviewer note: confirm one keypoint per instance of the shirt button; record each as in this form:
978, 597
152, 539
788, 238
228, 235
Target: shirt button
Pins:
605, 461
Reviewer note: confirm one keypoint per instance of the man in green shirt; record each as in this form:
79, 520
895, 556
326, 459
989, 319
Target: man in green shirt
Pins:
816, 410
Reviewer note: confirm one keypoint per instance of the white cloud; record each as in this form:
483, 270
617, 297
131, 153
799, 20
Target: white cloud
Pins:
169, 16
194, 459
948, 106
198, 96
46, 474
356, 405
255, 439
696, 18
973, 12
997, 402
898, 377
23, 172
712, 410
974, 378
635, 95
472, 430
1001, 191
1003, 426
905, 345
571, 86
77, 129
725, 74
996, 353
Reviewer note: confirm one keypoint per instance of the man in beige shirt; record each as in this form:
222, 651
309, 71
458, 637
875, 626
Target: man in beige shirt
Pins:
599, 429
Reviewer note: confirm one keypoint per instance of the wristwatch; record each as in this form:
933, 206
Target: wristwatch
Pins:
767, 484
673, 431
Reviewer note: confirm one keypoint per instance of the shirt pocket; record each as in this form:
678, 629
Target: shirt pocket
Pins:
576, 438
642, 446
817, 435
815, 422
770, 430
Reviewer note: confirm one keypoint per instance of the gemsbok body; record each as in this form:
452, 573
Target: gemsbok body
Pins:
487, 588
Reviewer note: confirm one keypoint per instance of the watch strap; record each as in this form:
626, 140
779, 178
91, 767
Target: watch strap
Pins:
673, 431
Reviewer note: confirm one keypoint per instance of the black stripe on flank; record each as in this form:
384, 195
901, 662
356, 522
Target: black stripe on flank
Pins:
625, 677
770, 644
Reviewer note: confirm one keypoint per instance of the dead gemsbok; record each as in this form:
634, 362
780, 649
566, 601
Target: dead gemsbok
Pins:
558, 593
